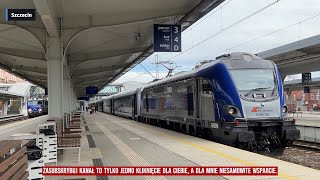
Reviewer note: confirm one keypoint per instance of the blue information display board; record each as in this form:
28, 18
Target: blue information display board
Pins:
91, 90
167, 38
306, 89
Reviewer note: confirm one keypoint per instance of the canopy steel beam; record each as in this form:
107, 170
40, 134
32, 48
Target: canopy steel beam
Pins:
80, 57
45, 10
34, 55
97, 70
8, 69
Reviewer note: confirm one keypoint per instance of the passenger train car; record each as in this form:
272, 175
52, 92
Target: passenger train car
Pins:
236, 100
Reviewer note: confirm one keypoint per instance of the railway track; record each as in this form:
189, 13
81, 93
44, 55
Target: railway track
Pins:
11, 118
307, 145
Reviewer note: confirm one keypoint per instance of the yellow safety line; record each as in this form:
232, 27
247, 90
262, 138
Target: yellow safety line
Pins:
282, 175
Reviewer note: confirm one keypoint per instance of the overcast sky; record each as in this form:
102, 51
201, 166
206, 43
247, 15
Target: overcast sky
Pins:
198, 42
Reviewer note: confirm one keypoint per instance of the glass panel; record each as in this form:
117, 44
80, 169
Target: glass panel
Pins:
248, 79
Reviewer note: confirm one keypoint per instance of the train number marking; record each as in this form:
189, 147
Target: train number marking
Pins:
214, 125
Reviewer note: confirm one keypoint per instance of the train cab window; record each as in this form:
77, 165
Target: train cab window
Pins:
39, 102
206, 88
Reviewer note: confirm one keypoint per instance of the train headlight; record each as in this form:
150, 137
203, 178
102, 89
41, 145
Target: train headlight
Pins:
284, 109
30, 110
232, 111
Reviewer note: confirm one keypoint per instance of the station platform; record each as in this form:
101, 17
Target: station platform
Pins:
307, 118
114, 141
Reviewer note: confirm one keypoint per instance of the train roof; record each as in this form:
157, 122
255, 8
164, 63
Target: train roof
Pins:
181, 75
248, 60
124, 93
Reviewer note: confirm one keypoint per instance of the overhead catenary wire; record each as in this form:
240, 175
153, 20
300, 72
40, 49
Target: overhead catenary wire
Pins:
146, 70
209, 15
262, 36
227, 28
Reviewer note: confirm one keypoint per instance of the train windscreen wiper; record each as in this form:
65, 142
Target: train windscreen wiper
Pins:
256, 89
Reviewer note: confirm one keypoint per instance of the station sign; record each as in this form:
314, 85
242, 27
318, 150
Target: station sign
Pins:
306, 89
306, 78
91, 90
167, 38
20, 14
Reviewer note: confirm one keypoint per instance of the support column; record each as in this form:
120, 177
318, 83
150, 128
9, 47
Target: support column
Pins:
5, 106
66, 90
55, 77
71, 96
288, 101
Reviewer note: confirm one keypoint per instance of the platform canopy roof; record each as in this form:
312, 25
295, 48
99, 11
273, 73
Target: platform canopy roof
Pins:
297, 57
9, 95
102, 39
297, 84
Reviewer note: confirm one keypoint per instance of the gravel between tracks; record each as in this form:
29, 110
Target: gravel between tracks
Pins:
302, 157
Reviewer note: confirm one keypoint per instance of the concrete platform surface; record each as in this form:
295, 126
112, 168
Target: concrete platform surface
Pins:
307, 118
24, 126
114, 141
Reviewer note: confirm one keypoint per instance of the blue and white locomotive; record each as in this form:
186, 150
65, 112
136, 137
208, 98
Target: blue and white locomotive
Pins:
236, 99
37, 107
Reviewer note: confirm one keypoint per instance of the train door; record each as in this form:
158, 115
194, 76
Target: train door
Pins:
147, 102
46, 107
197, 97
134, 106
206, 100
101, 106
190, 100
111, 106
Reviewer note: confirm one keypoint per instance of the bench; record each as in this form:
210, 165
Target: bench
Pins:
71, 123
13, 160
68, 138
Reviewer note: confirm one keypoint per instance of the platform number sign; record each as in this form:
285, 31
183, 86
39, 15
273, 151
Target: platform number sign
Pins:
306, 77
167, 38
306, 90
91, 90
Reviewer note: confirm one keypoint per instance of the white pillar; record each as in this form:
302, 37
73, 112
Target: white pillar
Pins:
70, 96
66, 90
5, 106
55, 77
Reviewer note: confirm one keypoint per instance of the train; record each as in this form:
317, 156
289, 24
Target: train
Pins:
236, 99
37, 107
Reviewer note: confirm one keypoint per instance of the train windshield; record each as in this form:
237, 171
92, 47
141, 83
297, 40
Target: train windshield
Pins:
255, 80
32, 102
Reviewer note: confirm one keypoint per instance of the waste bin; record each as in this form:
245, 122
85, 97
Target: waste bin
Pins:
34, 152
